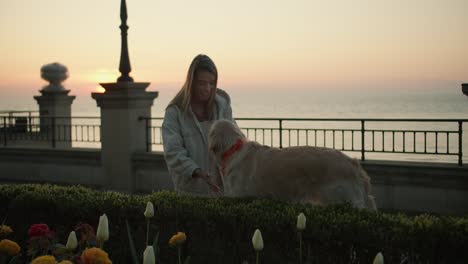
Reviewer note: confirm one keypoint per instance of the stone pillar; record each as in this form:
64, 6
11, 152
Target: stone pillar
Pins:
122, 133
55, 107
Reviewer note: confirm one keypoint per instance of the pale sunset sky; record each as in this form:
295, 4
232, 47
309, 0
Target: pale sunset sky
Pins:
257, 44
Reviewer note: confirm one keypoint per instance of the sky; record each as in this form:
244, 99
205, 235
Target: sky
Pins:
261, 44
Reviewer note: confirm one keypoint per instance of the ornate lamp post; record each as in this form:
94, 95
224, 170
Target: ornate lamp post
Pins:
124, 66
123, 133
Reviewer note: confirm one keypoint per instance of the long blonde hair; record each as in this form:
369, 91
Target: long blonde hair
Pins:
200, 63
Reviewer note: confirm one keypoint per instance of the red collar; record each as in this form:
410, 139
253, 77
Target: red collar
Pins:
237, 146
233, 149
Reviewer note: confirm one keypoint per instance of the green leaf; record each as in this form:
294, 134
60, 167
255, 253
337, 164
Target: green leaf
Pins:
4, 220
132, 244
13, 259
156, 247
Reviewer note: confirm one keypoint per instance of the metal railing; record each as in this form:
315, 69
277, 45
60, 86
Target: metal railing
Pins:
426, 137
28, 130
443, 137
25, 116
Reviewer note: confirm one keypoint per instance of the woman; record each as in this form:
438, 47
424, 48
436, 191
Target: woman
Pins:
185, 130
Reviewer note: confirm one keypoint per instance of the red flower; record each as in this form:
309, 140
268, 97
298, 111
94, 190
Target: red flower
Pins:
85, 232
39, 230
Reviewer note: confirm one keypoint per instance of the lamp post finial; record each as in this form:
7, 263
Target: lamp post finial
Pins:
124, 66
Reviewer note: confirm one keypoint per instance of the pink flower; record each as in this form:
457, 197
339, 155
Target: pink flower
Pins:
39, 230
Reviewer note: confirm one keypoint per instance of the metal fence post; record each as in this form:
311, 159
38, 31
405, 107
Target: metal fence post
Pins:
148, 139
281, 133
53, 132
29, 122
4, 131
460, 145
362, 141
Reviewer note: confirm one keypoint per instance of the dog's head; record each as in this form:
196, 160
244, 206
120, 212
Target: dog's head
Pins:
223, 134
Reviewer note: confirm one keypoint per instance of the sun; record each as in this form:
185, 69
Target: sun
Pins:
99, 89
102, 76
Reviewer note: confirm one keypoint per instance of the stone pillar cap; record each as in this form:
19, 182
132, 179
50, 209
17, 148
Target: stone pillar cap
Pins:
55, 73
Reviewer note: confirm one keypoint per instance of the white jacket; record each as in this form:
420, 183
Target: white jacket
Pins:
186, 146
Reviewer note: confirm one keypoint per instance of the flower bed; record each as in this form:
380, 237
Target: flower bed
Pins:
220, 230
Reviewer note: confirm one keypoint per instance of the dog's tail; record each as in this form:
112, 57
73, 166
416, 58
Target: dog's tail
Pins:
365, 179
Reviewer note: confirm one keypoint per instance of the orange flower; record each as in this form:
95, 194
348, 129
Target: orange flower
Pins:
5, 230
47, 259
9, 247
177, 239
95, 256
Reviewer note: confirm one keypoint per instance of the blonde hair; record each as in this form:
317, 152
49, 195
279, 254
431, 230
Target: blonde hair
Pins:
182, 99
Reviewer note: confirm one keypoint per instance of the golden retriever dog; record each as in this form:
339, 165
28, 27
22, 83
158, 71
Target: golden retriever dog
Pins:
315, 175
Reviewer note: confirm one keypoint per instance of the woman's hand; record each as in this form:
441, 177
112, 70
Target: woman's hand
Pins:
198, 173
214, 187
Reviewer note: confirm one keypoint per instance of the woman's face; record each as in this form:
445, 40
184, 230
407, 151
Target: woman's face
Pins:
203, 84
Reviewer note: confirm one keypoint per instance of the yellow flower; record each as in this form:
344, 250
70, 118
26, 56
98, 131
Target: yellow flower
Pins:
5, 230
95, 256
9, 247
44, 260
65, 262
177, 239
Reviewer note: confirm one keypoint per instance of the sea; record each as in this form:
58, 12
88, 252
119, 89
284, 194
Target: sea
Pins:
379, 103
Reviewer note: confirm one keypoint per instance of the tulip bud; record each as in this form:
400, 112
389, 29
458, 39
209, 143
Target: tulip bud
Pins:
148, 255
72, 242
378, 259
257, 240
301, 222
149, 212
102, 233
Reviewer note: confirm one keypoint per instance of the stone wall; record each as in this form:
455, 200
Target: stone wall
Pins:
397, 186
51, 166
418, 187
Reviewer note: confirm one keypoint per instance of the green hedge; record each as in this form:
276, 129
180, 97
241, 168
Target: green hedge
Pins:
220, 230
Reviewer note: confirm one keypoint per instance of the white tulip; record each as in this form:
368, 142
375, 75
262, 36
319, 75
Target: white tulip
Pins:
149, 212
148, 255
257, 240
102, 233
301, 222
72, 242
378, 259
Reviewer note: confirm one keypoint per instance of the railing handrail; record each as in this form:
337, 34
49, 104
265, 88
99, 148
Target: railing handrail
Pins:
282, 118
17, 111
358, 119
50, 129
69, 117
362, 129
338, 119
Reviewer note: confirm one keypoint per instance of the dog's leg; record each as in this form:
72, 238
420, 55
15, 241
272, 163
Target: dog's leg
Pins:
365, 179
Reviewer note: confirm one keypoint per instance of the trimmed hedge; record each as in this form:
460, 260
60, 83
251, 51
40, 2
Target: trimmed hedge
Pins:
220, 230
